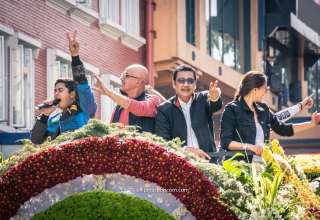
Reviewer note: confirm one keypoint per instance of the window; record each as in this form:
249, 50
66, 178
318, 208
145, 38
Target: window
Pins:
110, 11
22, 86
86, 3
190, 21
107, 105
130, 16
5, 33
226, 33
122, 12
313, 78
2, 80
80, 10
121, 19
59, 65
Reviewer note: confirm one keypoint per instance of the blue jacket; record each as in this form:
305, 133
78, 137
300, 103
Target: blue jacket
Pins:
76, 116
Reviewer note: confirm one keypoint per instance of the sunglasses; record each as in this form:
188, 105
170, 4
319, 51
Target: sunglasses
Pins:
126, 75
186, 80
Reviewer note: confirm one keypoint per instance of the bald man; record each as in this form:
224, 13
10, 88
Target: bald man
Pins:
135, 106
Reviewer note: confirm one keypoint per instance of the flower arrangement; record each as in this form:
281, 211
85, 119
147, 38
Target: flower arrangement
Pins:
310, 164
109, 154
279, 161
235, 190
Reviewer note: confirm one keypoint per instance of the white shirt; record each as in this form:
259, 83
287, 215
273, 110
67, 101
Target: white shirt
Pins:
259, 141
192, 139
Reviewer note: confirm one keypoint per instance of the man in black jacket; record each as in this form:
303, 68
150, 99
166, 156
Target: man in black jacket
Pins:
187, 114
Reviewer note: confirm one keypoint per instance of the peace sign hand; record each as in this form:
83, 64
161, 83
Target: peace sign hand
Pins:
73, 44
214, 91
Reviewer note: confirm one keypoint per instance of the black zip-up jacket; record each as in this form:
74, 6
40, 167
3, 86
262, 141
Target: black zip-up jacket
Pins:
170, 121
237, 123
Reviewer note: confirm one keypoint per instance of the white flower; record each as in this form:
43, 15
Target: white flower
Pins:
314, 185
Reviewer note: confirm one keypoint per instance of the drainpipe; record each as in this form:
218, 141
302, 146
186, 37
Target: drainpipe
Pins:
150, 5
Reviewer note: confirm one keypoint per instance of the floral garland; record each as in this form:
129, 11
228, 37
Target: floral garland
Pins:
95, 155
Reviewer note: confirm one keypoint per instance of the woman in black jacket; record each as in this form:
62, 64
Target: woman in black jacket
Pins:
246, 121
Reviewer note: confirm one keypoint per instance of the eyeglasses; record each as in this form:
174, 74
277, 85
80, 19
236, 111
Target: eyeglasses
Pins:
126, 75
186, 80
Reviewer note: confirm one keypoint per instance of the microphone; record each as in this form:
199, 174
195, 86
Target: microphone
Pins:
44, 105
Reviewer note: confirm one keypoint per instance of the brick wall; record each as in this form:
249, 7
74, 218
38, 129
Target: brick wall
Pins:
36, 19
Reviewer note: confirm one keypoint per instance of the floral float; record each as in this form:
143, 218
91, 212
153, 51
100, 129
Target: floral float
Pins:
99, 158
57, 164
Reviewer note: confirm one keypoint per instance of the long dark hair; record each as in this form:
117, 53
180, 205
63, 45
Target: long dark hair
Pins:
250, 80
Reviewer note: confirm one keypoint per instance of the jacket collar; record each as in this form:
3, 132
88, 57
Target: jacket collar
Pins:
175, 100
244, 105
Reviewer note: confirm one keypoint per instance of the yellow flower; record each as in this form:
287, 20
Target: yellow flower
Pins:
276, 148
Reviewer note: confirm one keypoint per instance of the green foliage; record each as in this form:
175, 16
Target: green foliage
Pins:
233, 193
240, 169
265, 197
102, 205
244, 189
27, 149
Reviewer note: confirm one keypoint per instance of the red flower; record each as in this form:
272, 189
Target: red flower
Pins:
98, 156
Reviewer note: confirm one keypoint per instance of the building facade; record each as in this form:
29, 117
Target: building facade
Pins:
34, 53
223, 39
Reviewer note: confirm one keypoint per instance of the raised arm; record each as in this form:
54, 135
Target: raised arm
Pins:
290, 112
86, 98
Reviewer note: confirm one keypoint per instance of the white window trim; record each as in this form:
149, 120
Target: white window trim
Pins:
116, 31
84, 14
79, 12
107, 78
111, 29
7, 30
132, 41
61, 5
31, 42
3, 92
14, 41
88, 4
53, 54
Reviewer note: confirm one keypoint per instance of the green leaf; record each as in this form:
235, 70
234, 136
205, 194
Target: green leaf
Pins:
275, 185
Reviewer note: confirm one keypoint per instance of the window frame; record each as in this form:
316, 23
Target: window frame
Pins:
3, 92
28, 83
241, 35
6, 32
122, 29
55, 55
107, 104
87, 3
191, 21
